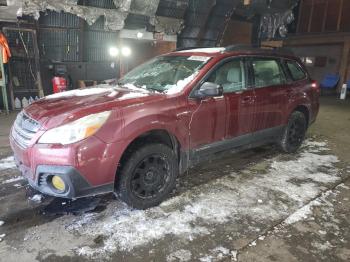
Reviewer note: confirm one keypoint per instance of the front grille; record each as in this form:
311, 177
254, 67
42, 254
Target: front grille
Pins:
24, 129
42, 181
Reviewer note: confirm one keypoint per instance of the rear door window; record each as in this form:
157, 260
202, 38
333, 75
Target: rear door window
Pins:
267, 72
295, 70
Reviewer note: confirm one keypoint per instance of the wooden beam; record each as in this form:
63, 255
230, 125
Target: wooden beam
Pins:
321, 39
343, 69
311, 16
299, 16
325, 16
340, 14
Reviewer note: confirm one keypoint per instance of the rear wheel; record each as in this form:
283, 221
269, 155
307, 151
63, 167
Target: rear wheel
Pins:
148, 176
294, 133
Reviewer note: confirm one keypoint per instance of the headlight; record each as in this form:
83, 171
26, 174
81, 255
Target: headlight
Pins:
76, 130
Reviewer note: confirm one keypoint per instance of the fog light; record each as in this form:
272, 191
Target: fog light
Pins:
58, 183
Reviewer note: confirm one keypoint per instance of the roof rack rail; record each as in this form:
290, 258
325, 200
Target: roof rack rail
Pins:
260, 49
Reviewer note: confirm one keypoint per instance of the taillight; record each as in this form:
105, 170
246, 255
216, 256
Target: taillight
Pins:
315, 86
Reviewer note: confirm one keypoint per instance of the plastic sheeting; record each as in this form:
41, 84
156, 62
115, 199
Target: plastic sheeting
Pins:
114, 18
144, 7
168, 25
271, 24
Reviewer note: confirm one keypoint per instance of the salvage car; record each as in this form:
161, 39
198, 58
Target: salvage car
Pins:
134, 137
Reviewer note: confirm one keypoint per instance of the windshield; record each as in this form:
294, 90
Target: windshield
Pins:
169, 74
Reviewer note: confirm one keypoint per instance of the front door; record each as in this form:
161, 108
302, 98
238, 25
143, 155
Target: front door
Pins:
207, 122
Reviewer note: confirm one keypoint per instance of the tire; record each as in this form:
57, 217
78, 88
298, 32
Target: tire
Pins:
294, 133
148, 176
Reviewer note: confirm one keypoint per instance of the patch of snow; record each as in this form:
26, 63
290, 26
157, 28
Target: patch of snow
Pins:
194, 213
204, 50
302, 213
36, 198
181, 255
261, 238
253, 244
180, 85
11, 180
1, 223
315, 146
343, 186
7, 163
216, 254
260, 201
2, 236
322, 246
234, 254
82, 92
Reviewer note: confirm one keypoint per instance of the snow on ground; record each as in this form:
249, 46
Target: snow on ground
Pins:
1, 223
180, 255
11, 180
283, 188
7, 163
217, 254
37, 198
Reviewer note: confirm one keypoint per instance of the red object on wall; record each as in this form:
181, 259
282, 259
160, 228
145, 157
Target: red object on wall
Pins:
6, 53
59, 84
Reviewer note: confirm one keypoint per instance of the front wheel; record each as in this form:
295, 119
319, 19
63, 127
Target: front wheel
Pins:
148, 176
294, 133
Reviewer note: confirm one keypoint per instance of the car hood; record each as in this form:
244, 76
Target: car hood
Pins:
61, 108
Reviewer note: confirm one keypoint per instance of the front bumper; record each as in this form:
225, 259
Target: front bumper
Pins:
87, 167
76, 185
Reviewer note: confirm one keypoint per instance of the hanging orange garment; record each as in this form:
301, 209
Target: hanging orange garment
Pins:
6, 53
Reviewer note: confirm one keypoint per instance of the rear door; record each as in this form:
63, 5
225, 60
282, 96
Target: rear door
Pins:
270, 92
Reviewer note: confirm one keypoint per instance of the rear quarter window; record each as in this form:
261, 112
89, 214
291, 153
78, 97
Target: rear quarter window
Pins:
296, 71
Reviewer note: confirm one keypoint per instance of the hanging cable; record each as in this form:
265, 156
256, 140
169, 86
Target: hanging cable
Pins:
27, 53
189, 132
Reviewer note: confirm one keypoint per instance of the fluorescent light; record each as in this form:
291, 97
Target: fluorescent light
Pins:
113, 51
126, 51
139, 35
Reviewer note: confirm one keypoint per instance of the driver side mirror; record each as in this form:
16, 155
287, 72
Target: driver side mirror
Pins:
208, 89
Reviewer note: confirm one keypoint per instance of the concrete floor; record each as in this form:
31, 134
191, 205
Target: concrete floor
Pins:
258, 205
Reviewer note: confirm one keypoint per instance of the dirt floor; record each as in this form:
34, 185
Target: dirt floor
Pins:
258, 205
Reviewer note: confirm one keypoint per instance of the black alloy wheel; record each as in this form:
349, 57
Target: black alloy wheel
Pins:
294, 133
148, 176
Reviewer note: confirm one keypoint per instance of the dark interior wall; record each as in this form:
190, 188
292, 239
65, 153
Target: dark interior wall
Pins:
145, 50
67, 39
331, 53
324, 16
237, 32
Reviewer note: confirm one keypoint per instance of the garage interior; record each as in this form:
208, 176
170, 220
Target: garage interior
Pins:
256, 205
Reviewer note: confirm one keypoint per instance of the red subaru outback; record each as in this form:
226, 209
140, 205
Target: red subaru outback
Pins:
169, 114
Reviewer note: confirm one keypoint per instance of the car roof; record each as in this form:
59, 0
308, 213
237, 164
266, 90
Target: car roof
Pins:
236, 50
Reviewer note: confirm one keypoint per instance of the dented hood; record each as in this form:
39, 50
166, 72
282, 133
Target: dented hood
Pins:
55, 110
